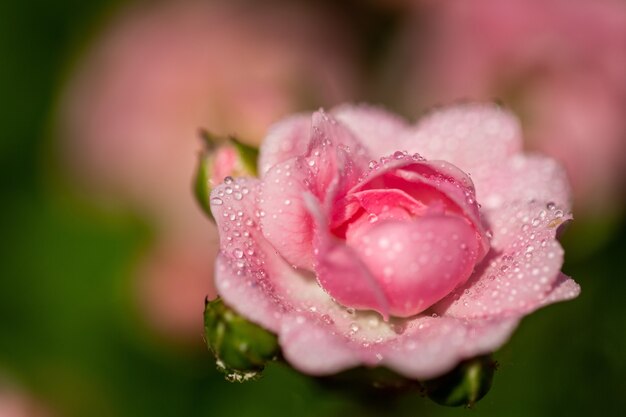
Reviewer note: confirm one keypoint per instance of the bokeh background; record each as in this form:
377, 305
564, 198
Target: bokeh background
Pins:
105, 260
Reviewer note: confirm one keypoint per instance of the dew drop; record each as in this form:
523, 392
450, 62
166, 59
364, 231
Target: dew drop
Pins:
217, 201
228, 180
399, 154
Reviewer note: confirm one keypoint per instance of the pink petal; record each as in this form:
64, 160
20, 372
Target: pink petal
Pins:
379, 131
435, 184
524, 178
312, 348
564, 288
340, 271
521, 269
432, 346
471, 136
285, 221
249, 275
332, 164
425, 347
286, 139
336, 158
415, 262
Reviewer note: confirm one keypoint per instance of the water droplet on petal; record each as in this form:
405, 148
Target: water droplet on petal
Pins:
399, 154
217, 201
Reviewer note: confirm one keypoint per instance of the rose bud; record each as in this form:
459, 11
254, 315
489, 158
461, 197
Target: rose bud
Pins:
241, 348
221, 158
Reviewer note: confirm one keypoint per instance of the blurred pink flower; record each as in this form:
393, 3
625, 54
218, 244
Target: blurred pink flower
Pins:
356, 250
16, 403
560, 64
131, 111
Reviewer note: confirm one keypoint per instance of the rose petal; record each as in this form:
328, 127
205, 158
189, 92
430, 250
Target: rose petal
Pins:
524, 178
249, 275
340, 271
564, 288
329, 167
418, 262
428, 347
432, 346
433, 183
471, 136
379, 131
335, 157
520, 270
311, 348
285, 221
286, 139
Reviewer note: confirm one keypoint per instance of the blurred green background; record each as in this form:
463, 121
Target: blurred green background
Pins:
70, 336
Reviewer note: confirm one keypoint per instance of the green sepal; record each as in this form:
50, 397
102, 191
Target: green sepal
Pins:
464, 385
201, 185
241, 348
248, 156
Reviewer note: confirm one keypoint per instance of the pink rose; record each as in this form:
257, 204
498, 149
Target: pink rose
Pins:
130, 114
559, 63
369, 241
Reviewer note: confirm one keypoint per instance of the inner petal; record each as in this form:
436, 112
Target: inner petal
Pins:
417, 262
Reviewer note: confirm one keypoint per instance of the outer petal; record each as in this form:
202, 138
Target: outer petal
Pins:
424, 348
524, 201
564, 288
314, 348
244, 265
286, 139
523, 178
432, 346
379, 131
473, 137
521, 269
285, 220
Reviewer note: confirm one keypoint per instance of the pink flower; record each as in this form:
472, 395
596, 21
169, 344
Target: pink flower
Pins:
558, 63
369, 241
130, 115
